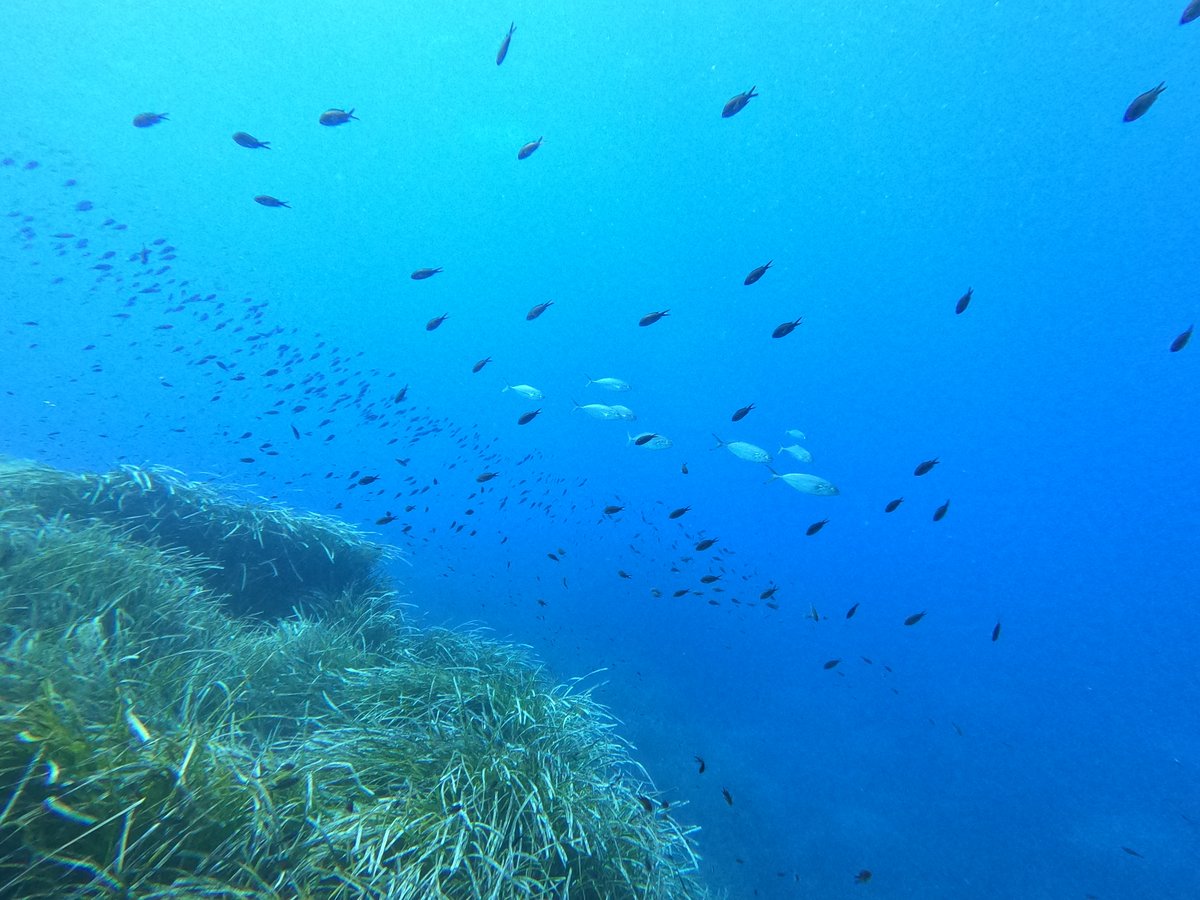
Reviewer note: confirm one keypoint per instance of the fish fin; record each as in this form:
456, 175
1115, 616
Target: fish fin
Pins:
720, 443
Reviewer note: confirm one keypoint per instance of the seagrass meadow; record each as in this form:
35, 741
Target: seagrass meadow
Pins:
206, 697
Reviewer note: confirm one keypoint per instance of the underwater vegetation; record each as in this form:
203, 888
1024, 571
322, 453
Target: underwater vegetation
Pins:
161, 736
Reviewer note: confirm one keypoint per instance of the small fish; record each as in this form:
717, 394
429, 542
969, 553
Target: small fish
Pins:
332, 117
758, 273
815, 527
1182, 341
940, 512
651, 318
798, 452
609, 384
710, 579
503, 51
528, 417
384, 520
925, 467
527, 391
683, 468
612, 510
797, 434
863, 877
851, 611
741, 413
400, 395
527, 151
478, 367
738, 103
268, 200
996, 630
963, 302
623, 573
649, 440
597, 410
245, 140
1191, 13
435, 322
807, 484
1142, 102
538, 310
422, 274
145, 120
485, 477
728, 796
647, 803
642, 439
699, 759
768, 593
812, 613
786, 328
743, 450
681, 592
893, 505
831, 664
915, 618
706, 543
676, 513
1133, 852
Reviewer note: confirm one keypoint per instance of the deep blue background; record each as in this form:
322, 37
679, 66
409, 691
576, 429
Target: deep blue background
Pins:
899, 153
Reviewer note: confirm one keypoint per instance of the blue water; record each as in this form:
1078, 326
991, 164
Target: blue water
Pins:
896, 155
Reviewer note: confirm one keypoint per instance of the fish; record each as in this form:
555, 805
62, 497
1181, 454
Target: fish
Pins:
737, 103
332, 117
651, 441
503, 51
527, 391
996, 630
433, 323
1142, 102
741, 413
706, 543
728, 796
683, 469
528, 417
915, 618
699, 759
815, 527
676, 513
400, 395
609, 384
478, 367
422, 274
796, 433
681, 592
786, 328
1133, 852
798, 452
651, 318
963, 302
1191, 13
612, 510
851, 611
245, 140
537, 310
1182, 340
757, 273
526, 151
940, 512
925, 467
863, 876
768, 593
807, 484
893, 505
597, 410
812, 613
485, 477
743, 450
710, 579
647, 803
831, 664
268, 200
385, 520
145, 120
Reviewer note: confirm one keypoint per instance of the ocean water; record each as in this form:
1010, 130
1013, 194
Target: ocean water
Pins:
896, 155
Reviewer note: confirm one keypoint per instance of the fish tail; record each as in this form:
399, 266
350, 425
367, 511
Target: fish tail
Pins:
350, 112
720, 443
590, 379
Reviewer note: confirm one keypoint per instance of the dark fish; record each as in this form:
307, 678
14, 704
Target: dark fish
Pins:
268, 200
758, 273
925, 467
996, 630
296, 432
643, 439
683, 468
940, 512
1142, 102
831, 664
538, 310
680, 592
893, 505
528, 149
815, 527
435, 322
245, 140
1182, 341
963, 302
422, 274
915, 618
676, 513
612, 510
710, 579
728, 796
647, 803
863, 877
478, 367
385, 520
768, 593
623, 573
742, 413
145, 120
333, 117
528, 417
738, 103
1133, 852
485, 477
368, 479
851, 611
706, 543
786, 328
699, 759
651, 318
1191, 13
503, 51
400, 395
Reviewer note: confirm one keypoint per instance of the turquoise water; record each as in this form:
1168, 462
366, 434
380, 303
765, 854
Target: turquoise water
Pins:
896, 156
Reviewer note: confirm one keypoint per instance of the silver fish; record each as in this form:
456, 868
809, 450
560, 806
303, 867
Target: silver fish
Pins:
525, 390
742, 450
806, 484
